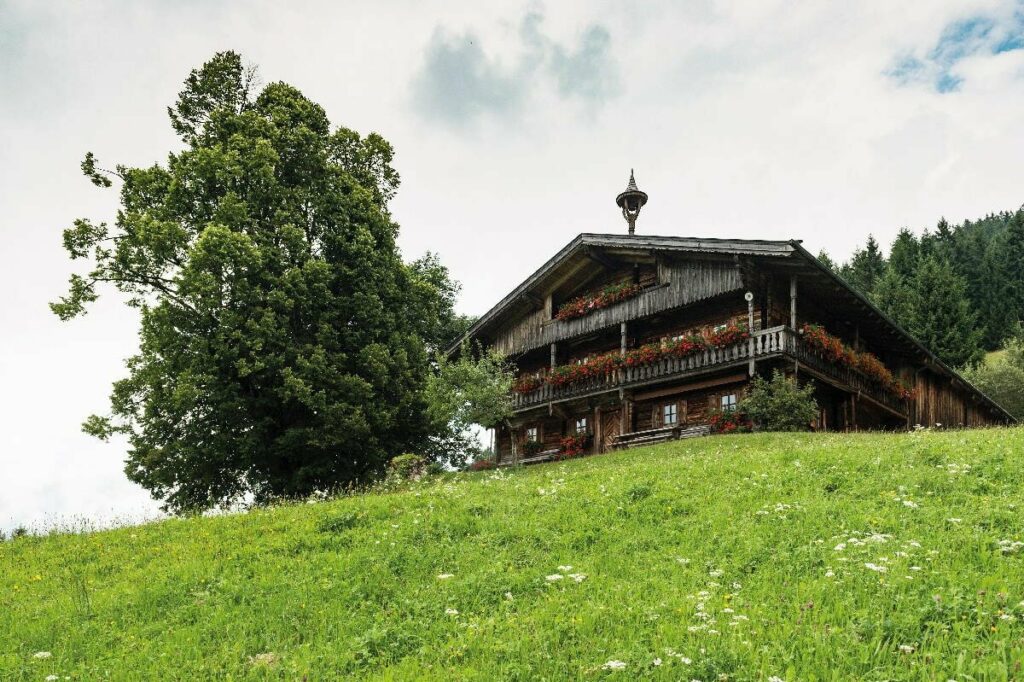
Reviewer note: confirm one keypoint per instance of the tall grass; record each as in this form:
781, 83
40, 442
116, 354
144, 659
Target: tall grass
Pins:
798, 557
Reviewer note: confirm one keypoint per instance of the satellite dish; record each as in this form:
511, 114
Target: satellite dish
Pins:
748, 297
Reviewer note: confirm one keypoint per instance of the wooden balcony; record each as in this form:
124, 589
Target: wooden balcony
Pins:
775, 342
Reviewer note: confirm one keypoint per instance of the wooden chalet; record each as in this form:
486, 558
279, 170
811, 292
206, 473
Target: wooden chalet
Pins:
622, 340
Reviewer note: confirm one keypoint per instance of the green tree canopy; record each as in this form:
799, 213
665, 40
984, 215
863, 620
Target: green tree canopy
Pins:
942, 318
865, 268
283, 342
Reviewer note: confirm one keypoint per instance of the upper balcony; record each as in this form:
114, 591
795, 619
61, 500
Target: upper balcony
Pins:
775, 342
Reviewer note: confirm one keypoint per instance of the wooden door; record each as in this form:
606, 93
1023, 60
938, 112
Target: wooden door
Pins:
609, 429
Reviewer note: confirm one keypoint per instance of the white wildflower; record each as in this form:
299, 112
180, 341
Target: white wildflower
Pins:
1010, 546
875, 567
656, 662
51, 678
716, 573
907, 649
915, 568
775, 678
954, 520
42, 654
445, 576
508, 595
829, 573
563, 569
578, 577
554, 577
910, 503
613, 665
451, 612
840, 547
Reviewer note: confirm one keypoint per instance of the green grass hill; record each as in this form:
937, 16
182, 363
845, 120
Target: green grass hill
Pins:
747, 557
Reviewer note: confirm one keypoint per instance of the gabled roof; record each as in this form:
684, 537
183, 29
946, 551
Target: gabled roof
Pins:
744, 247
789, 252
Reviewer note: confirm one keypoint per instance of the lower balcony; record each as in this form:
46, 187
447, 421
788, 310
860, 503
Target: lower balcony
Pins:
775, 342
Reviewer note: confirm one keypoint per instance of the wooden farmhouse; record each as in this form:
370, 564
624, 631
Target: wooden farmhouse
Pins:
626, 339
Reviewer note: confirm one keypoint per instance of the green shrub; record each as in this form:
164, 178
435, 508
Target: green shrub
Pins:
780, 404
404, 467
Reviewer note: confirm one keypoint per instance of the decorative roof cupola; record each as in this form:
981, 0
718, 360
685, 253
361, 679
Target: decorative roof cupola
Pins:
631, 201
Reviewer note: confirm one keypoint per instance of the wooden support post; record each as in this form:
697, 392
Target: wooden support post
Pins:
853, 411
554, 355
792, 302
623, 341
598, 434
750, 328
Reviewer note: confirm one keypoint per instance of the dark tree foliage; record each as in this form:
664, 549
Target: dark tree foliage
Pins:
942, 318
283, 342
865, 268
986, 256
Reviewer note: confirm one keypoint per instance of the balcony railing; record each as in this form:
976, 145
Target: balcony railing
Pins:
763, 344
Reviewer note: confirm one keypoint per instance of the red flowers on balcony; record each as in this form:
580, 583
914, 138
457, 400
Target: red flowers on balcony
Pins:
527, 384
860, 361
584, 305
602, 365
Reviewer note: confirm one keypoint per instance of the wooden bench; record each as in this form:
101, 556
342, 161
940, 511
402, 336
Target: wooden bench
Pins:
652, 436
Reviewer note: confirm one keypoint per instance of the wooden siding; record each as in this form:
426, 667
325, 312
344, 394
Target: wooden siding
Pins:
685, 283
939, 401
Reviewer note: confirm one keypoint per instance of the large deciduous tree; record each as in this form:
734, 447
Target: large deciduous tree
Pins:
283, 346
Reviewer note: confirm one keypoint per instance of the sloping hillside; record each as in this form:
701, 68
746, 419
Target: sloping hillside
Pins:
750, 557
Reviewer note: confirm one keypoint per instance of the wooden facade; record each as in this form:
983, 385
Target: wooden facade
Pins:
686, 286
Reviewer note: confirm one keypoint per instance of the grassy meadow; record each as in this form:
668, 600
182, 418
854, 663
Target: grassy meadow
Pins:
746, 557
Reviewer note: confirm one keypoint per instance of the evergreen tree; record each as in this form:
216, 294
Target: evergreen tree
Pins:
1012, 246
942, 318
865, 268
827, 261
904, 254
895, 297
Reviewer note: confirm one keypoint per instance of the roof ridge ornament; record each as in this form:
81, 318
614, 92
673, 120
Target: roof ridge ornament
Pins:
631, 201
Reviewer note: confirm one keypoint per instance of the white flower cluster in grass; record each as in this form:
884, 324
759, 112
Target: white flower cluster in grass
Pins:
1010, 546
613, 665
555, 577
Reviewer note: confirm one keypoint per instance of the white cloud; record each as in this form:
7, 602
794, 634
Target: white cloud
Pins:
757, 119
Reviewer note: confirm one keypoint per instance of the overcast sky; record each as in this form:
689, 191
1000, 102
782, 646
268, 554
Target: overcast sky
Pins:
515, 125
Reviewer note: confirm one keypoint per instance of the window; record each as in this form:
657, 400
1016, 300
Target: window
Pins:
729, 402
669, 414
581, 425
531, 434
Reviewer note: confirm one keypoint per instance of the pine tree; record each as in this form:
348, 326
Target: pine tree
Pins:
827, 261
895, 297
865, 268
942, 318
1012, 246
904, 254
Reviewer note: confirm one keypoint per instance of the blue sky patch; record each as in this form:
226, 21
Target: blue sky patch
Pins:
977, 35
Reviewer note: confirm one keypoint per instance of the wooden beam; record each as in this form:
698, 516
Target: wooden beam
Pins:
792, 302
695, 386
599, 257
533, 298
